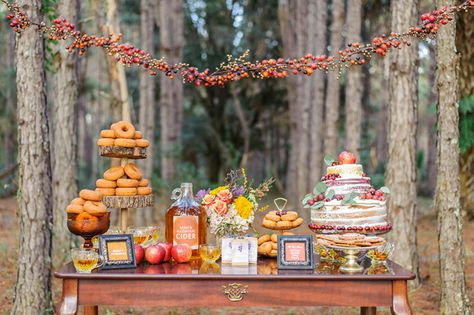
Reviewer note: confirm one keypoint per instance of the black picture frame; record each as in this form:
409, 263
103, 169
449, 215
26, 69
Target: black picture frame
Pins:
131, 262
308, 263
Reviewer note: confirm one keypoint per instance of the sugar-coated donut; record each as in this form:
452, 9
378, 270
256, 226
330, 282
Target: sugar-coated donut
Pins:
106, 191
124, 129
92, 207
125, 143
107, 133
132, 171
297, 222
125, 191
78, 201
143, 183
114, 173
127, 183
138, 135
289, 216
105, 142
104, 183
142, 143
262, 239
144, 190
91, 195
72, 208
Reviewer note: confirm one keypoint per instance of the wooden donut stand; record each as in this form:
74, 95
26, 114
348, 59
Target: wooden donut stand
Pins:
125, 202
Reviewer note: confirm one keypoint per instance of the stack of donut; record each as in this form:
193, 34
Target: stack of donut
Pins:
282, 220
122, 134
88, 206
123, 181
267, 244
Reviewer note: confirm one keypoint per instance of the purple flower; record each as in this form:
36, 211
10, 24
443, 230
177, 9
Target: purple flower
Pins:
239, 191
200, 194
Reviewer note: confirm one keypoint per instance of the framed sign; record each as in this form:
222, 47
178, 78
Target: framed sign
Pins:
117, 250
295, 252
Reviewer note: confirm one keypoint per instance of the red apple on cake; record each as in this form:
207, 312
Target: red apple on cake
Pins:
346, 157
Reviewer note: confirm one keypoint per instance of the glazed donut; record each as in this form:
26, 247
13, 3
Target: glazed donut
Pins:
142, 143
144, 190
125, 191
106, 191
78, 201
143, 183
123, 129
138, 135
107, 133
262, 239
114, 173
86, 217
72, 208
127, 183
289, 216
125, 143
103, 183
105, 142
132, 171
92, 207
91, 195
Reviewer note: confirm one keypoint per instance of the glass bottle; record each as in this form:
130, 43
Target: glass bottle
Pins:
186, 221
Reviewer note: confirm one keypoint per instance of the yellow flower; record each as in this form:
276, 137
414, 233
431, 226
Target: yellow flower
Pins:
216, 190
244, 207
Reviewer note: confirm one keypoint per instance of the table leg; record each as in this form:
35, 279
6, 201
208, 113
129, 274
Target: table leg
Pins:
91, 310
368, 310
69, 297
400, 304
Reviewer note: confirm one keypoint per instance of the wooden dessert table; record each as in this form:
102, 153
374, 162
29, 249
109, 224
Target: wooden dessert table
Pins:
262, 285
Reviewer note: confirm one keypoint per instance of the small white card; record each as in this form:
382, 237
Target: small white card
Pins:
240, 252
226, 250
253, 249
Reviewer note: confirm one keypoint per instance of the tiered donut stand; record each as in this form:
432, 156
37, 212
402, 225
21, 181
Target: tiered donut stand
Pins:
125, 202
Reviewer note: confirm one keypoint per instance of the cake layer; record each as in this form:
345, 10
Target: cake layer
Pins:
343, 186
346, 170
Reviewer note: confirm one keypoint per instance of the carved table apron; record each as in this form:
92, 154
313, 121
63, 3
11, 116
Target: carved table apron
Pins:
159, 286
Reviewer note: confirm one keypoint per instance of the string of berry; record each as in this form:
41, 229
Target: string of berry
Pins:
354, 54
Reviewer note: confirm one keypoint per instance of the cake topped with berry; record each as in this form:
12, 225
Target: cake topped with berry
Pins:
345, 200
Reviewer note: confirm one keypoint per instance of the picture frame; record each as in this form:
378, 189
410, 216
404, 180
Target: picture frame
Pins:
295, 252
117, 250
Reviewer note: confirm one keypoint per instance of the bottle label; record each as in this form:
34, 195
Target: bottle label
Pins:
186, 231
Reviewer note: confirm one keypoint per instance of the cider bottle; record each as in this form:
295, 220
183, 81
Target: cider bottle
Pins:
186, 220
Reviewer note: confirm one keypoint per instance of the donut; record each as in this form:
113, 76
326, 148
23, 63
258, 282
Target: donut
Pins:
273, 253
105, 142
143, 183
91, 195
262, 239
123, 129
72, 208
284, 225
268, 224
265, 248
289, 216
107, 134
125, 191
132, 171
297, 222
78, 201
125, 143
272, 217
92, 207
127, 183
138, 135
144, 190
106, 191
274, 238
114, 173
142, 143
275, 245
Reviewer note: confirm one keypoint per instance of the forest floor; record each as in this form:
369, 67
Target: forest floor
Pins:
424, 299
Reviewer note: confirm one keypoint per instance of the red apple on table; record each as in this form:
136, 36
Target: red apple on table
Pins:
139, 253
181, 253
346, 157
182, 269
154, 254
167, 247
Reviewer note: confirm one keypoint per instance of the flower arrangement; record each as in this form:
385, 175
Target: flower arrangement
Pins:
230, 208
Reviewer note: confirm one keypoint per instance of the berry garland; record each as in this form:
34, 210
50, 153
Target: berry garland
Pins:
239, 68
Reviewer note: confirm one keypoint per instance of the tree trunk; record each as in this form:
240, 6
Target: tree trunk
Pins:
465, 33
147, 101
33, 283
171, 91
64, 136
317, 41
401, 174
353, 99
454, 298
333, 89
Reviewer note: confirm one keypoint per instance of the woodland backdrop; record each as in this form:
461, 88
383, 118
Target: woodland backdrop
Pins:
385, 112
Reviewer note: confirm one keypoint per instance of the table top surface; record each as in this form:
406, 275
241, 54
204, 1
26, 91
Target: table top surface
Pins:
265, 269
